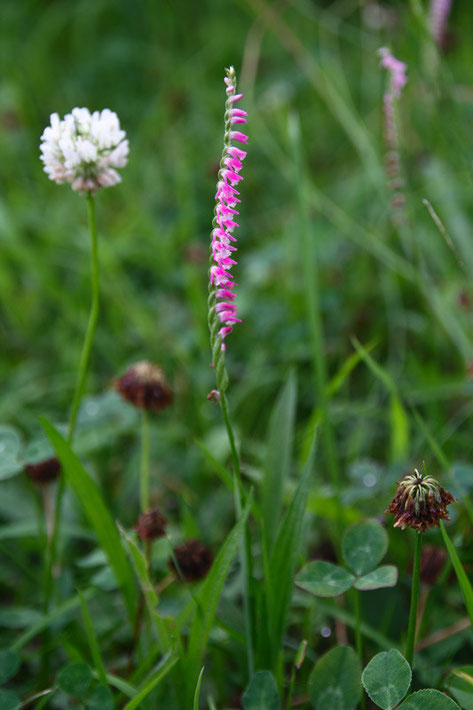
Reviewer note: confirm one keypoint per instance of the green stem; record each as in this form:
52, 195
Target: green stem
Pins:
358, 636
291, 689
245, 553
92, 324
411, 631
80, 386
231, 440
144, 464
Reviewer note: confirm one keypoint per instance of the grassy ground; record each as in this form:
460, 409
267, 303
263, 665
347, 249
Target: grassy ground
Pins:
328, 289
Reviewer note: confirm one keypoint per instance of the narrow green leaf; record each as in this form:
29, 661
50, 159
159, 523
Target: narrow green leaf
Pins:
335, 681
261, 693
219, 468
8, 700
283, 559
9, 664
89, 496
399, 423
75, 679
208, 596
48, 619
428, 700
152, 681
125, 688
93, 642
147, 588
197, 690
384, 576
463, 580
278, 458
460, 684
10, 444
364, 545
387, 678
324, 579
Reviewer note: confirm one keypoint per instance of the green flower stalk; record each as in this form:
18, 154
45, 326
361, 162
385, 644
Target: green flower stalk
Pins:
222, 309
144, 386
420, 503
84, 150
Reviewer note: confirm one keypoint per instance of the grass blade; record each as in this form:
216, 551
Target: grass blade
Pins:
93, 642
283, 560
278, 458
207, 599
48, 619
96, 511
141, 568
156, 677
463, 580
197, 690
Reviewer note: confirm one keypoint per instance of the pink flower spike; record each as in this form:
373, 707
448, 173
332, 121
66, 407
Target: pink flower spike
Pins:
222, 296
397, 70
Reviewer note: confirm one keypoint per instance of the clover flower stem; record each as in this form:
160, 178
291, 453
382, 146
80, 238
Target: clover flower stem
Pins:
145, 461
92, 324
80, 386
411, 631
358, 636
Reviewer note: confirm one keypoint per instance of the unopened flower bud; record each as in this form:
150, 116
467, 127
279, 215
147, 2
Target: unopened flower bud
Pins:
144, 385
420, 503
151, 525
194, 559
43, 472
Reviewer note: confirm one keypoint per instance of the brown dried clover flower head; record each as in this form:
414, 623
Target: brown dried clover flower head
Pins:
420, 503
145, 386
43, 472
194, 559
151, 525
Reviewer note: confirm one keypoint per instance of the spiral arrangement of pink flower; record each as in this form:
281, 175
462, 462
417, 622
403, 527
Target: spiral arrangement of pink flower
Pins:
222, 309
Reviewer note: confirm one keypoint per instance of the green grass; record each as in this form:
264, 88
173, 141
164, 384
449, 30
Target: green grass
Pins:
377, 335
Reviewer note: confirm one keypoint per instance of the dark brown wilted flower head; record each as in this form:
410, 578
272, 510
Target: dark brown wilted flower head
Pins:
420, 503
194, 560
151, 525
43, 472
145, 386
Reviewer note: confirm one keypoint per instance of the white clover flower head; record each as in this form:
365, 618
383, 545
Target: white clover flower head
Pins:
84, 149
